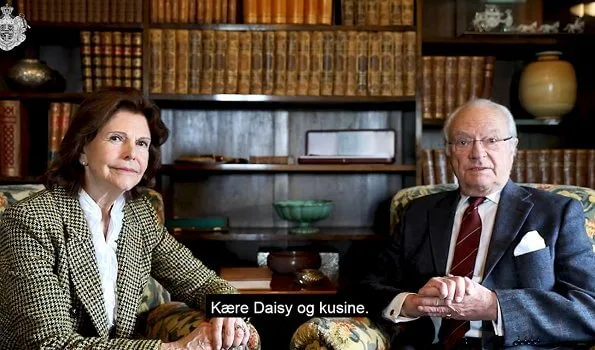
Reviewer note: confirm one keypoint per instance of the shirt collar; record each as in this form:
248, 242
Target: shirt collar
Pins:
92, 209
493, 197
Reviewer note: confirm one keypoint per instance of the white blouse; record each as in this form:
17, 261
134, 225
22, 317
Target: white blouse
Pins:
105, 247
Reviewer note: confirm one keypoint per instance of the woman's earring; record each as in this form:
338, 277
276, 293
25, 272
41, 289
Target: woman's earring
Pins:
84, 162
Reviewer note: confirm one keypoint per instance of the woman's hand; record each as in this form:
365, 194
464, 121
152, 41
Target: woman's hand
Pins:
217, 334
229, 332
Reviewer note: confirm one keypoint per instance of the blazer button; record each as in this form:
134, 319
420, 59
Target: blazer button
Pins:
74, 311
515, 343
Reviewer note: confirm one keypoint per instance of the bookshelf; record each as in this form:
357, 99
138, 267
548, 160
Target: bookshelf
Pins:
243, 124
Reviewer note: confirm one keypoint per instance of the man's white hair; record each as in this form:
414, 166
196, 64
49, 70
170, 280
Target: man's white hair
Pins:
481, 102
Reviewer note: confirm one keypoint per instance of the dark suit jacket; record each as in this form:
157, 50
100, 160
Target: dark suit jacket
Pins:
546, 296
50, 291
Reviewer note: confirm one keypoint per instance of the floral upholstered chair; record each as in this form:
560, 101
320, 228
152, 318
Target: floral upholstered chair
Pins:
159, 317
360, 333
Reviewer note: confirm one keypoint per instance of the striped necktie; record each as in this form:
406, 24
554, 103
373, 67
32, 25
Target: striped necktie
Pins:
463, 263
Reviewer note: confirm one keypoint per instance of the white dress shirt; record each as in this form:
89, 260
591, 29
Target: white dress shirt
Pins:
487, 213
105, 248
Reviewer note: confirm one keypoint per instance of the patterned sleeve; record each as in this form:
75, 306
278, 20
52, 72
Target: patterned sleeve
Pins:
34, 305
183, 275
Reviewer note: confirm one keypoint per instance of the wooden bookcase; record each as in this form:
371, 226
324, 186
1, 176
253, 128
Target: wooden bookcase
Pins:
240, 125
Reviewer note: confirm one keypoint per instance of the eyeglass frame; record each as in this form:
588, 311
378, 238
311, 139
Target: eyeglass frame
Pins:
495, 142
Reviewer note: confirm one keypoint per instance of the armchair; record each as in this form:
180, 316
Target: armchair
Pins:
361, 333
159, 317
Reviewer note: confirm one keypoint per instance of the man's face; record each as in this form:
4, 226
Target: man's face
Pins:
481, 167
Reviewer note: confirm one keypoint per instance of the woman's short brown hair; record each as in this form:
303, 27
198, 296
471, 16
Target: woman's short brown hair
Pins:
92, 114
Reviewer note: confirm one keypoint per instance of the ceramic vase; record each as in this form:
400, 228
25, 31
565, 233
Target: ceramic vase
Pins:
31, 74
547, 87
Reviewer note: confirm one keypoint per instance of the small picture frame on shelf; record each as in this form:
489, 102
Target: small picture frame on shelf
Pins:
500, 17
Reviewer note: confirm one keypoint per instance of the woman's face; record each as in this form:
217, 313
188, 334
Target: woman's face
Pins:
118, 155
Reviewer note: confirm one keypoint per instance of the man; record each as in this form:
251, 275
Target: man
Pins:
514, 261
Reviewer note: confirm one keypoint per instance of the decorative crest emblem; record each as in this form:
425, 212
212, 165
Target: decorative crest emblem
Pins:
12, 29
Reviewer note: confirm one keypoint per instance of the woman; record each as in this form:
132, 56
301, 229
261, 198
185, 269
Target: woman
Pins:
75, 258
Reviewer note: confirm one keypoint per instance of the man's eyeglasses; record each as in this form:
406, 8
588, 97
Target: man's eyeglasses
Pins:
490, 143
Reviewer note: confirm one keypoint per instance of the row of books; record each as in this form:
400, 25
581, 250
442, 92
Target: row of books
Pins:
12, 122
312, 63
82, 11
450, 81
194, 11
288, 11
377, 12
548, 166
59, 119
111, 59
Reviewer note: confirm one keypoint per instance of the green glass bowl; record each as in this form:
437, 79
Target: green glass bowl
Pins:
303, 212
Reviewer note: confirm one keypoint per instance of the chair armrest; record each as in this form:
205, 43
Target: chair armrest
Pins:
173, 320
340, 333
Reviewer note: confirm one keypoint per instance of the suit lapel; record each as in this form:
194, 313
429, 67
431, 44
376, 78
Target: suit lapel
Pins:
513, 210
441, 219
81, 260
130, 267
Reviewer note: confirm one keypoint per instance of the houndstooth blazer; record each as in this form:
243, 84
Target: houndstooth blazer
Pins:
50, 291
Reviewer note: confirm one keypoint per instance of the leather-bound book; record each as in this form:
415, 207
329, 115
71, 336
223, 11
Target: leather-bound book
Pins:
532, 172
387, 61
438, 86
348, 12
591, 168
127, 58
361, 87
182, 61
477, 77
232, 11
488, 81
315, 64
374, 44
279, 11
250, 11
208, 59
245, 62
543, 166
169, 61
463, 79
360, 12
372, 15
557, 166
156, 58
216, 11
311, 11
427, 109
268, 68
209, 11
351, 69
518, 167
137, 60
86, 61
107, 58
265, 11
224, 11
303, 74
295, 11
325, 12
450, 85
219, 64
427, 167
97, 59
256, 73
340, 81
233, 62
292, 63
328, 63
184, 10
118, 59
384, 12
407, 12
195, 61
54, 131
280, 62
582, 177
409, 62
399, 85
12, 145
395, 12
192, 4
569, 166
66, 110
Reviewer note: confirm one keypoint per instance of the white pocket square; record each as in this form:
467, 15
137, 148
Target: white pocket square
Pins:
531, 242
